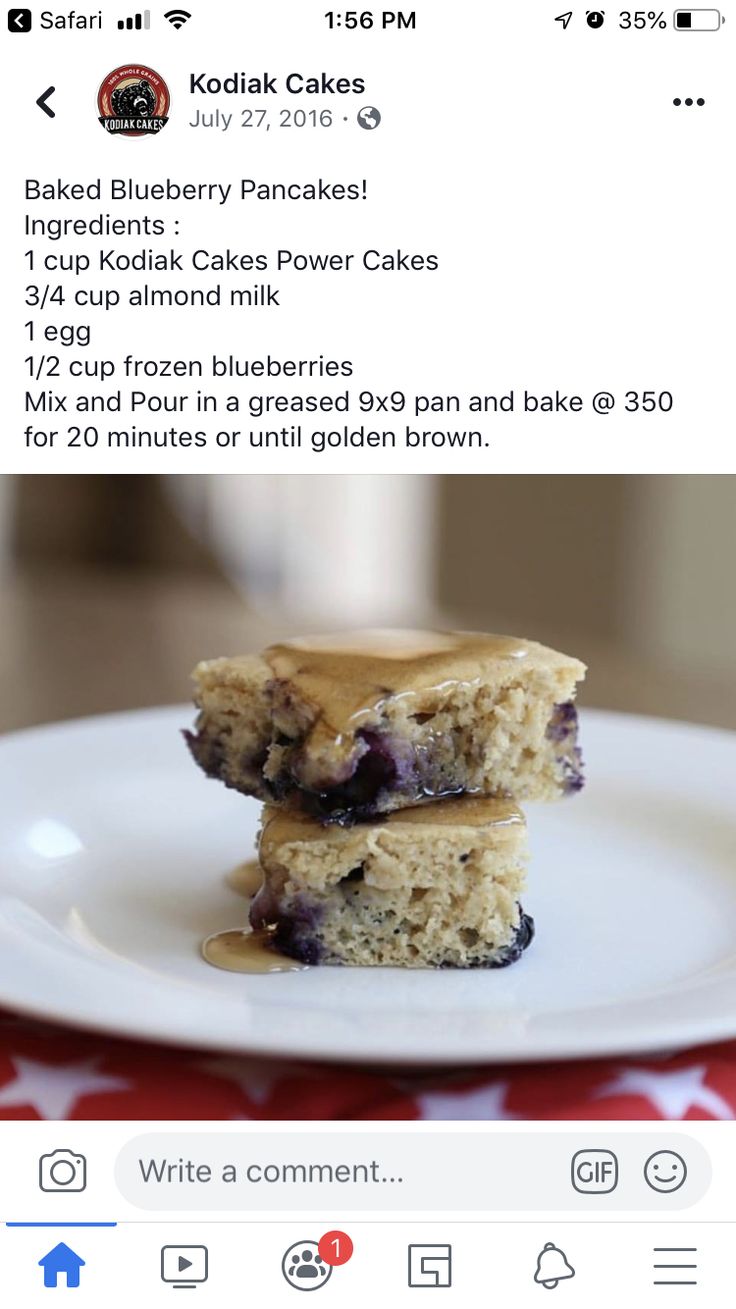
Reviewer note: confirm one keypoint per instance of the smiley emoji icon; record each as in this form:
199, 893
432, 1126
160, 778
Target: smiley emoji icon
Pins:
665, 1171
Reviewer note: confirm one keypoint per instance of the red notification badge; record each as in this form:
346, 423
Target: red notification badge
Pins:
335, 1248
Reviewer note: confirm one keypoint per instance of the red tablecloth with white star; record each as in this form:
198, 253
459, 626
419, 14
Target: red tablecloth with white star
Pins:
54, 1073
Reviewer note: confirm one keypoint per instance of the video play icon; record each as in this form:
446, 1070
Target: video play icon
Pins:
184, 1265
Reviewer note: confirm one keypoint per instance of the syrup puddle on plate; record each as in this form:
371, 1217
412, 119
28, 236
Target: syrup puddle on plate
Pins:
242, 950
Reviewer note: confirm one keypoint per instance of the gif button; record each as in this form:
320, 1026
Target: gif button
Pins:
595, 1172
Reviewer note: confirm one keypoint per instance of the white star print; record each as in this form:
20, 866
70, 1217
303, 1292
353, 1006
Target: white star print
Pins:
482, 1102
53, 1089
672, 1093
254, 1079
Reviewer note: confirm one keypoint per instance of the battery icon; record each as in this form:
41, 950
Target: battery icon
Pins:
697, 20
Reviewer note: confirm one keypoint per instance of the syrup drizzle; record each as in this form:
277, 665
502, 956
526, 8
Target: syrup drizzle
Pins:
349, 675
244, 951
246, 879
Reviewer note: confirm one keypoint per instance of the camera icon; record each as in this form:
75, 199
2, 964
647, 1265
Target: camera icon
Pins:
62, 1170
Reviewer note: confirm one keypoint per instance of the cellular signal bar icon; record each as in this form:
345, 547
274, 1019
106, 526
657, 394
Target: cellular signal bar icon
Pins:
136, 22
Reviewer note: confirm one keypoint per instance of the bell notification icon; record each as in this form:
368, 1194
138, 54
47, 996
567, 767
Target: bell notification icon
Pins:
553, 1266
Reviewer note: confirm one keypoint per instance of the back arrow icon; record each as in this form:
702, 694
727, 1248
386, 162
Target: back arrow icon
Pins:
564, 19
41, 102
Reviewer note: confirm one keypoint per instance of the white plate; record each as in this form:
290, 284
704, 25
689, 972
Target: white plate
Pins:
114, 851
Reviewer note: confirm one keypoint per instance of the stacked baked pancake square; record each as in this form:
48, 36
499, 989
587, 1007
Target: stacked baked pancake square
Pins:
392, 765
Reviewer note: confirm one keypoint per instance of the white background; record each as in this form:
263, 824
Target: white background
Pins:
493, 1258
583, 227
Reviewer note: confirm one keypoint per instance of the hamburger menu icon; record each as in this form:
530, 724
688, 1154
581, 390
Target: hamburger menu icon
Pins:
133, 101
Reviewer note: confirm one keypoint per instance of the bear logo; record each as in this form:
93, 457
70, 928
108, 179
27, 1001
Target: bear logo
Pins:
136, 100
133, 101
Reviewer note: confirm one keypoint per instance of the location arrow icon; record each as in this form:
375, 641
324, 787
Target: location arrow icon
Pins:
41, 102
564, 19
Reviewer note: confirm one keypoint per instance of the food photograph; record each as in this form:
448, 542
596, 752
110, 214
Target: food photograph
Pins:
367, 797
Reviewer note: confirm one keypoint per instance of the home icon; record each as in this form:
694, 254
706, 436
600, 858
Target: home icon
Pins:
61, 1262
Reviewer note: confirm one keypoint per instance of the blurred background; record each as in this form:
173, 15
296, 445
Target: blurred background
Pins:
111, 588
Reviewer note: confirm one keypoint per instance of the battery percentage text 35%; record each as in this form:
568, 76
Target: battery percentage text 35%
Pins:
640, 19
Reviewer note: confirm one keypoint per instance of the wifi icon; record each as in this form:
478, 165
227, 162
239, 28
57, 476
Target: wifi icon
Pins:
177, 17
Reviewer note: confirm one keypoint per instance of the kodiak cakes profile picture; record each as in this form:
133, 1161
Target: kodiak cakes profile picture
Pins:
133, 101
